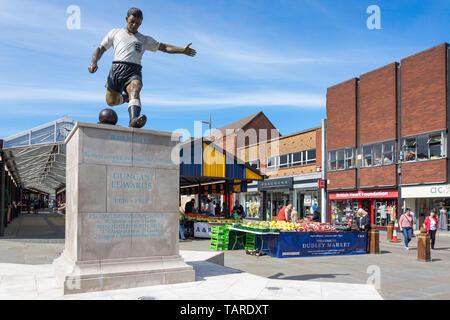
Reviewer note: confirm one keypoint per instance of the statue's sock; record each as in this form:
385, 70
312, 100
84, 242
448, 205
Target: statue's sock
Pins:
136, 119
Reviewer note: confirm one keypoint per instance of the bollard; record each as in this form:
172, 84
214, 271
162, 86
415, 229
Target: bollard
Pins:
423, 246
374, 238
390, 230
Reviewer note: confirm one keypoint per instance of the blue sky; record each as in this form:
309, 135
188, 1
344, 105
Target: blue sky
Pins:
278, 56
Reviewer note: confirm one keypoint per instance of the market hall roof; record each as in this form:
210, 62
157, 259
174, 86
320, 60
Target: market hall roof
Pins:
36, 158
204, 163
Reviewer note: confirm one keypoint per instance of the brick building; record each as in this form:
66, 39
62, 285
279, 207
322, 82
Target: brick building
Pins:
387, 139
293, 166
249, 130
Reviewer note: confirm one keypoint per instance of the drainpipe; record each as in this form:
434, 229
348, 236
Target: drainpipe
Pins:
324, 198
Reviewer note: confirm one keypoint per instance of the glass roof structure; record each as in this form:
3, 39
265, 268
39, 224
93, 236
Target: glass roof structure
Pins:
36, 158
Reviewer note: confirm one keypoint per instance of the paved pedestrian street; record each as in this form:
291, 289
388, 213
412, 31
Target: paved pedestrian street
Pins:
25, 260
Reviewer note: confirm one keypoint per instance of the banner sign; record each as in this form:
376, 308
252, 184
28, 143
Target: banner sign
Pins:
367, 194
307, 244
283, 183
431, 191
202, 230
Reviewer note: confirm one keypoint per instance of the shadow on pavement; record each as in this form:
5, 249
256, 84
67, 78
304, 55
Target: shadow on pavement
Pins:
204, 269
307, 276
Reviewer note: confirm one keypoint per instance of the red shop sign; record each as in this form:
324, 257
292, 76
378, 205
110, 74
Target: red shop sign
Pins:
367, 194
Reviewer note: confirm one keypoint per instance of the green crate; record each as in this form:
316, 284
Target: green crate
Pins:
218, 247
236, 240
250, 241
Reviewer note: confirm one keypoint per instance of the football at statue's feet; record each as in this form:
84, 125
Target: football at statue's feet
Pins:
108, 116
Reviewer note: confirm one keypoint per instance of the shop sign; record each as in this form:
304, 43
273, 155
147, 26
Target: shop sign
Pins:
202, 230
369, 194
284, 183
307, 244
432, 191
307, 201
321, 184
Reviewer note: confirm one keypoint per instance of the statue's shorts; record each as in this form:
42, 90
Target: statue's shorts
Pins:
121, 74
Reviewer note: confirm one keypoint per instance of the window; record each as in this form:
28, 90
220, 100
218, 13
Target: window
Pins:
254, 164
435, 143
332, 160
340, 159
376, 154
423, 147
271, 163
367, 156
284, 161
349, 158
409, 149
310, 156
388, 152
297, 158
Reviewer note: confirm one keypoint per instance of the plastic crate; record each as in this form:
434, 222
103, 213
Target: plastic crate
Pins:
218, 247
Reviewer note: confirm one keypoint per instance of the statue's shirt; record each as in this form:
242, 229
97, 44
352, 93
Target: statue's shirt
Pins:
129, 47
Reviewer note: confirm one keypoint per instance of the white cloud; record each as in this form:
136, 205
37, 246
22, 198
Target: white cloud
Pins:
169, 102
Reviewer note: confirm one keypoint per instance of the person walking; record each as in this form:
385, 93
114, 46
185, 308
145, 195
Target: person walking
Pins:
406, 223
431, 224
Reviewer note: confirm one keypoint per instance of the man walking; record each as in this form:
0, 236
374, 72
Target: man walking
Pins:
124, 82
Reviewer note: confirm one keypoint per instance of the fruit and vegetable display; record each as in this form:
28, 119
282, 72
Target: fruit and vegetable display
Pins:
283, 226
206, 218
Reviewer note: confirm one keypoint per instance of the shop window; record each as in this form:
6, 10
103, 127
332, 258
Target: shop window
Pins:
349, 158
423, 147
367, 156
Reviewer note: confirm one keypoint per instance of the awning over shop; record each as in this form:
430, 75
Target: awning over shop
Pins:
36, 159
205, 168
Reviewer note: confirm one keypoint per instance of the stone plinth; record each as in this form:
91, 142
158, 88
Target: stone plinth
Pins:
122, 218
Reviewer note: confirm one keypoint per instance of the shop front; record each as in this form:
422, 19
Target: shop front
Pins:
421, 199
264, 199
381, 205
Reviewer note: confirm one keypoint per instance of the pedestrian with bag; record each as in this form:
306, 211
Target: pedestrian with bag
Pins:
431, 224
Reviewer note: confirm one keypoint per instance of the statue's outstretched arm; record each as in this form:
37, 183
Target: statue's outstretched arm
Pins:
168, 48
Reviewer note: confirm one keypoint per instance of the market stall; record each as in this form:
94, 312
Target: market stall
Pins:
283, 240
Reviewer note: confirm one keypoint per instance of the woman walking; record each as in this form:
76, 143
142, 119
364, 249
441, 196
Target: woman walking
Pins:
406, 222
431, 223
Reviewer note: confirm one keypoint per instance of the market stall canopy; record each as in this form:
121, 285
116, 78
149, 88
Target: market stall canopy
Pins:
206, 168
36, 158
